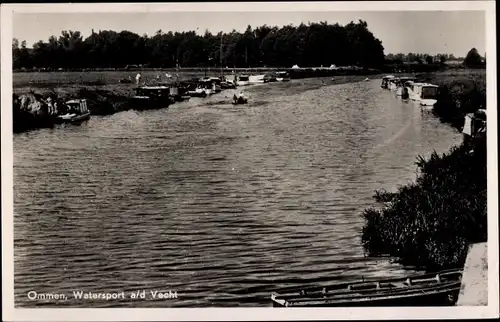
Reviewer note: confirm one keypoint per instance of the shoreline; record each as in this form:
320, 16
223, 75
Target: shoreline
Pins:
109, 99
431, 222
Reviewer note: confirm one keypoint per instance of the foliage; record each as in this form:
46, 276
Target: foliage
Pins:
314, 44
458, 96
473, 59
430, 223
415, 57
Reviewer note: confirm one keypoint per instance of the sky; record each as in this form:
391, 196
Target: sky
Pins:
433, 32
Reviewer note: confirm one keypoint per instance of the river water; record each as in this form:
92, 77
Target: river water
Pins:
223, 204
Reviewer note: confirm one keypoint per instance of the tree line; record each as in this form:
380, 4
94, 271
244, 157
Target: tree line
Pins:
314, 44
472, 59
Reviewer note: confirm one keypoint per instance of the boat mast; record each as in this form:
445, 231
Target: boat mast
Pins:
220, 56
246, 56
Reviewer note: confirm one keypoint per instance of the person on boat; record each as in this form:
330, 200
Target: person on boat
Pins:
138, 78
50, 106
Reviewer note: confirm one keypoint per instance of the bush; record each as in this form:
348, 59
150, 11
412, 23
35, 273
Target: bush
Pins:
430, 223
456, 98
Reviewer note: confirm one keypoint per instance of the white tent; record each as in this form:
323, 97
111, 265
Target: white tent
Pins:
333, 67
295, 67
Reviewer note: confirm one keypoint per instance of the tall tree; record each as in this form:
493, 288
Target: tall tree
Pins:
473, 59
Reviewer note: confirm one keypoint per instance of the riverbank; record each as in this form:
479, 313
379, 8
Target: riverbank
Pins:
430, 223
105, 95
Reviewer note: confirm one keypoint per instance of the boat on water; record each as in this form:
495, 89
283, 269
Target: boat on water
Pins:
393, 84
414, 91
76, 111
227, 84
270, 78
385, 81
179, 94
428, 96
402, 83
151, 97
243, 80
282, 77
211, 83
200, 92
436, 289
257, 79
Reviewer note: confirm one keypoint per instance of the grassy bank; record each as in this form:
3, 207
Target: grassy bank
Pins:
431, 222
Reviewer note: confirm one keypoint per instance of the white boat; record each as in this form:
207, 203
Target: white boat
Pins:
428, 96
402, 83
385, 81
77, 111
414, 91
201, 92
243, 80
256, 79
282, 77
393, 84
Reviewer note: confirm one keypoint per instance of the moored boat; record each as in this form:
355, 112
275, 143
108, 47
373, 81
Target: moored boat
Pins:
282, 76
428, 96
151, 97
257, 79
393, 84
385, 81
76, 112
436, 289
270, 78
414, 91
243, 80
402, 83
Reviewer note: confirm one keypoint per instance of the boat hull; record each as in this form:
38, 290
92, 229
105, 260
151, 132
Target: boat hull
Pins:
73, 120
434, 289
445, 298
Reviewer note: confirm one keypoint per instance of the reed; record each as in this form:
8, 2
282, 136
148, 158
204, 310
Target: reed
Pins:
430, 223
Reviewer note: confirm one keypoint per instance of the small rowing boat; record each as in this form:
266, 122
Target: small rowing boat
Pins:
437, 289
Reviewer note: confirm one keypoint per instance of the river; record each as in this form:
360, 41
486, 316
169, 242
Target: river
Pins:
223, 204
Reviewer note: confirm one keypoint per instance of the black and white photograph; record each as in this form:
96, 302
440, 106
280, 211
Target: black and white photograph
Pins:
218, 156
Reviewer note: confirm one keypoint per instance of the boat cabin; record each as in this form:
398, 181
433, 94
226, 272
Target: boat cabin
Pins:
244, 78
152, 92
77, 106
428, 91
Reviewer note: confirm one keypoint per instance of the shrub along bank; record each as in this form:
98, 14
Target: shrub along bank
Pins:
431, 222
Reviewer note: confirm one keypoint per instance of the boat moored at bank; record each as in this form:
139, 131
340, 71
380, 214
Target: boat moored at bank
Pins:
282, 76
428, 95
436, 289
151, 97
75, 111
243, 80
385, 81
